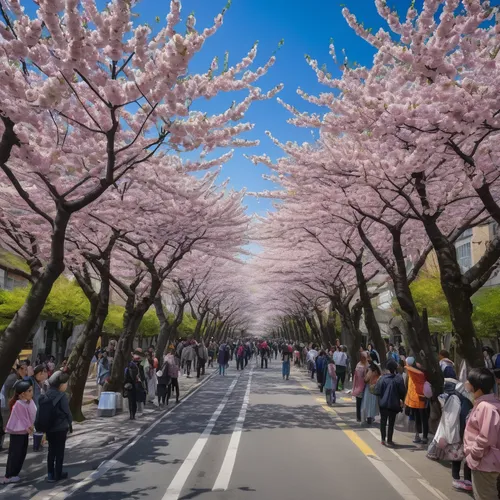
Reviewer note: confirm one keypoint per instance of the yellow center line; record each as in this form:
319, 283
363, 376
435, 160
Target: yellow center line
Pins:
364, 447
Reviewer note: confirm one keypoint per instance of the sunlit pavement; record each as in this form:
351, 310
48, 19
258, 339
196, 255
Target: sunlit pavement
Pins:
253, 435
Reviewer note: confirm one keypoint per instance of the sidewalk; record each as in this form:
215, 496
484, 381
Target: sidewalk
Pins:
92, 441
433, 478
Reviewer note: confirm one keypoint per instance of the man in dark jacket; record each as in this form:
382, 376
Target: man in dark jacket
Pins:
391, 390
61, 423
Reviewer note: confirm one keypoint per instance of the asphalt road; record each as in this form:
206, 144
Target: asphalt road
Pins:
248, 435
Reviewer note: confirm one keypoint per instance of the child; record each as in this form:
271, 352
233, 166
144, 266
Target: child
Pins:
482, 434
330, 382
19, 426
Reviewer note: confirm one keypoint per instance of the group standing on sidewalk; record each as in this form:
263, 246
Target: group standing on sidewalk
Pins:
469, 428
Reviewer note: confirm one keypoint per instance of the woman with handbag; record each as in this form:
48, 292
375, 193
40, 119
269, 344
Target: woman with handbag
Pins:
369, 407
358, 383
448, 441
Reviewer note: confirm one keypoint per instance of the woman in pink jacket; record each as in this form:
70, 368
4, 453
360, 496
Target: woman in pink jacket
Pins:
482, 435
358, 382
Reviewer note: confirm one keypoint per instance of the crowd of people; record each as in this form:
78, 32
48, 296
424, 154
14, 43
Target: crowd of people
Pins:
466, 412
464, 419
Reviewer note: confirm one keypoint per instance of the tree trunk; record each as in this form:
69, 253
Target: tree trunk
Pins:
80, 373
369, 315
84, 349
17, 333
125, 345
351, 335
332, 316
164, 329
458, 295
199, 322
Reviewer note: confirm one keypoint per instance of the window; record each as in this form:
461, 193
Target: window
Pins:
464, 256
466, 234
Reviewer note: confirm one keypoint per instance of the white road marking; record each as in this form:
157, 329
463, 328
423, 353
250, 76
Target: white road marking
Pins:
222, 481
393, 479
395, 453
424, 482
174, 490
105, 466
433, 490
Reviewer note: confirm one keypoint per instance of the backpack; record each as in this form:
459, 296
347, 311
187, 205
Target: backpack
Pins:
241, 351
496, 360
47, 414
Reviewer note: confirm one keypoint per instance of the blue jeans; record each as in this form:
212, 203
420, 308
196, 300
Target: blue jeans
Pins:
222, 369
286, 369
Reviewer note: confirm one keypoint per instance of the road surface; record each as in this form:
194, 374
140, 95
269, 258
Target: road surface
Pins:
251, 435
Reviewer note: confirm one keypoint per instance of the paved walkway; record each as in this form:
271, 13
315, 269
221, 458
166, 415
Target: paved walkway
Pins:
93, 441
252, 435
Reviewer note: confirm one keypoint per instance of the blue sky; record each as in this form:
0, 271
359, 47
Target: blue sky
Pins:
307, 29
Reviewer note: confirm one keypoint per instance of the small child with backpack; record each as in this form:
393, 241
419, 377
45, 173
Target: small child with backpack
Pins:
54, 418
19, 426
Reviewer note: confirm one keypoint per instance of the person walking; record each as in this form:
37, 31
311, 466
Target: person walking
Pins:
312, 354
20, 425
187, 358
373, 353
391, 392
151, 378
482, 434
393, 353
286, 358
416, 401
330, 382
369, 406
130, 386
202, 355
321, 363
264, 354
240, 357
340, 360
163, 382
358, 383
173, 370
54, 418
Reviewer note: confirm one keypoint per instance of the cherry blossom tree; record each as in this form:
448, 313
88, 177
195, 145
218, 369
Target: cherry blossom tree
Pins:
86, 97
411, 142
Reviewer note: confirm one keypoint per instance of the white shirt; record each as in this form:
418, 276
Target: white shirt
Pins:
340, 358
312, 355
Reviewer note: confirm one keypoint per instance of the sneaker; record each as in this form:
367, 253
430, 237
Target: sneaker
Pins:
62, 477
417, 439
382, 443
468, 485
6, 480
51, 478
424, 441
391, 444
460, 485
14, 479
